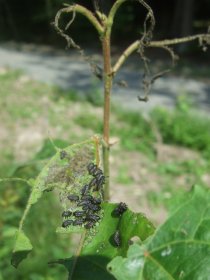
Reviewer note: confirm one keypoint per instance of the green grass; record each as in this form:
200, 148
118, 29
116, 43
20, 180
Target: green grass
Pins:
92, 96
134, 131
123, 177
184, 128
89, 121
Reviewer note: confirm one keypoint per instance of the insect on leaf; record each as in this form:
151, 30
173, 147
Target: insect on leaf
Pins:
99, 246
179, 249
65, 172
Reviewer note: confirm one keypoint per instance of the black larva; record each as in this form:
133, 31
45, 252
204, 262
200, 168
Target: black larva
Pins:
100, 177
87, 197
94, 208
90, 166
83, 203
120, 209
85, 207
78, 222
63, 154
66, 213
96, 200
73, 197
98, 172
100, 181
79, 213
93, 182
67, 223
92, 217
117, 238
93, 169
85, 189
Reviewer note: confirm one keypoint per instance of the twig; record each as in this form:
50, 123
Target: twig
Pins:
147, 83
147, 35
70, 42
164, 43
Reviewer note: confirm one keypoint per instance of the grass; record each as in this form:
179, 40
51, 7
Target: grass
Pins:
31, 111
184, 129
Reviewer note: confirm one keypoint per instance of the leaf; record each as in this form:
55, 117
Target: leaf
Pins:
65, 172
22, 248
99, 246
180, 248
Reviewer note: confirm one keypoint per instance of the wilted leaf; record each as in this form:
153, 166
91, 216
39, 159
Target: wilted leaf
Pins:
180, 249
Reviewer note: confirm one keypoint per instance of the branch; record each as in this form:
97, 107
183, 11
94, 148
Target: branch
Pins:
102, 17
81, 10
164, 43
167, 42
110, 18
115, 7
132, 48
73, 9
147, 84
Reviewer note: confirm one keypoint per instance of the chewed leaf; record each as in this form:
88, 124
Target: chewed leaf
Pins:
66, 172
179, 249
99, 245
70, 229
22, 248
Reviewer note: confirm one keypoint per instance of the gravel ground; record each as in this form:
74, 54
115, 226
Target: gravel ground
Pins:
68, 71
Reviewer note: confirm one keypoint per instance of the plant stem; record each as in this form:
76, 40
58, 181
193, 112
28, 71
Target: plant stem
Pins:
107, 96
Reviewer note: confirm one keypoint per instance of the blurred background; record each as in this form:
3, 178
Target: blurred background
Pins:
23, 22
162, 147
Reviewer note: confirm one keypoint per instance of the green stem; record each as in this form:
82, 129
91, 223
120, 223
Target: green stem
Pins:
81, 10
107, 96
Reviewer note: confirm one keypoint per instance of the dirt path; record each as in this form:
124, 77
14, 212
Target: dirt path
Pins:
68, 71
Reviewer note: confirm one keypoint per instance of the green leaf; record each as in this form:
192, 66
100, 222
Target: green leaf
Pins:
99, 246
22, 248
180, 248
65, 172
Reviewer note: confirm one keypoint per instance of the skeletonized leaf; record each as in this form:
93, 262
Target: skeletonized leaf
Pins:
66, 172
180, 248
